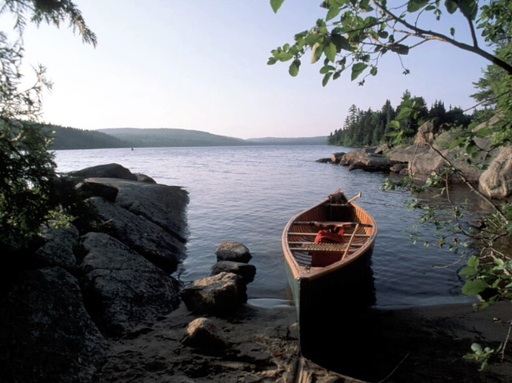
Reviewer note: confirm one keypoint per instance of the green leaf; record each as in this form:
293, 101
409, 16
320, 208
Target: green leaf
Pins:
469, 8
455, 143
468, 271
484, 132
341, 42
327, 68
416, 5
473, 262
451, 6
474, 287
326, 78
394, 125
294, 68
452, 31
399, 48
283, 56
357, 69
405, 112
373, 71
276, 4
330, 52
332, 13
383, 34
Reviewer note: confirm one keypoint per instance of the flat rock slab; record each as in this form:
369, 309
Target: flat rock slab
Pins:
127, 291
162, 204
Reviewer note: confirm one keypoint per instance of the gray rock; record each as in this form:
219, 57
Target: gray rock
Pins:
336, 157
95, 189
246, 271
124, 290
104, 171
58, 248
426, 134
366, 159
400, 168
202, 333
161, 204
233, 251
141, 234
46, 335
423, 164
405, 155
144, 178
496, 181
218, 295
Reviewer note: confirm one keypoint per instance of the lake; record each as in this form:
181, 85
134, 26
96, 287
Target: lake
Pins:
248, 194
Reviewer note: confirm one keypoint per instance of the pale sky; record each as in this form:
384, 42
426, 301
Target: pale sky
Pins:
202, 65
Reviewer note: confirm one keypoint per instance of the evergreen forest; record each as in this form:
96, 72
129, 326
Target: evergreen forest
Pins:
371, 128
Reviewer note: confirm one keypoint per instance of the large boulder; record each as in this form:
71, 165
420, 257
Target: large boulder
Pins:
122, 288
426, 134
424, 163
104, 171
233, 251
46, 335
366, 159
202, 333
246, 271
218, 295
496, 181
142, 235
161, 204
407, 154
336, 157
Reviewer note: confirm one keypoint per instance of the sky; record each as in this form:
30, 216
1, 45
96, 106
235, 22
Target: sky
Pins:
202, 65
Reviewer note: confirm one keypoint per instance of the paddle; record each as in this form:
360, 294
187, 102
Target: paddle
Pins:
354, 198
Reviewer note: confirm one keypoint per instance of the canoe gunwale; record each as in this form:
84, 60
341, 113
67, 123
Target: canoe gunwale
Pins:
308, 273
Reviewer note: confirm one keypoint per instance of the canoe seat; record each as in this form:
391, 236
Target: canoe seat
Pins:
336, 247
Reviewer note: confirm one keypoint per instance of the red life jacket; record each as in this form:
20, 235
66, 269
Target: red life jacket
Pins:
327, 236
325, 258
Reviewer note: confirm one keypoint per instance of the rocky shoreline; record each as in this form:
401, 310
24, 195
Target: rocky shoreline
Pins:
428, 154
103, 306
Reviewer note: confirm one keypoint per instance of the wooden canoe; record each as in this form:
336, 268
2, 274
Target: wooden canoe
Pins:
319, 290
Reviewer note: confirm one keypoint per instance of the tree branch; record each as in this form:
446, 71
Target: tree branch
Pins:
469, 184
424, 34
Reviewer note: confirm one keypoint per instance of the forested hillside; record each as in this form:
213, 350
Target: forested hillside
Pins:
371, 128
71, 138
171, 137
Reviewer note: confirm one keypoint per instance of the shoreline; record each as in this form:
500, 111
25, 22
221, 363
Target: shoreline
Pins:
415, 344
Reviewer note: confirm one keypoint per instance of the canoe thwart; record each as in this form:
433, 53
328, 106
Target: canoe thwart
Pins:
299, 234
331, 223
338, 247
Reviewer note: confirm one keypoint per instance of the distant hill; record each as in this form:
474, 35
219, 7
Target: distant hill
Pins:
171, 137
71, 138
320, 140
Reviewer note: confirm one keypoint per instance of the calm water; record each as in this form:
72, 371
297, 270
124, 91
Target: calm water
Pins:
247, 194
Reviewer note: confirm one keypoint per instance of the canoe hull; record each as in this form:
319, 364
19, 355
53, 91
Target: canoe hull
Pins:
320, 294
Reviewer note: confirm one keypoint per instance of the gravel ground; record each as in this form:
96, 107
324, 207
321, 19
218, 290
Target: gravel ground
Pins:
424, 344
